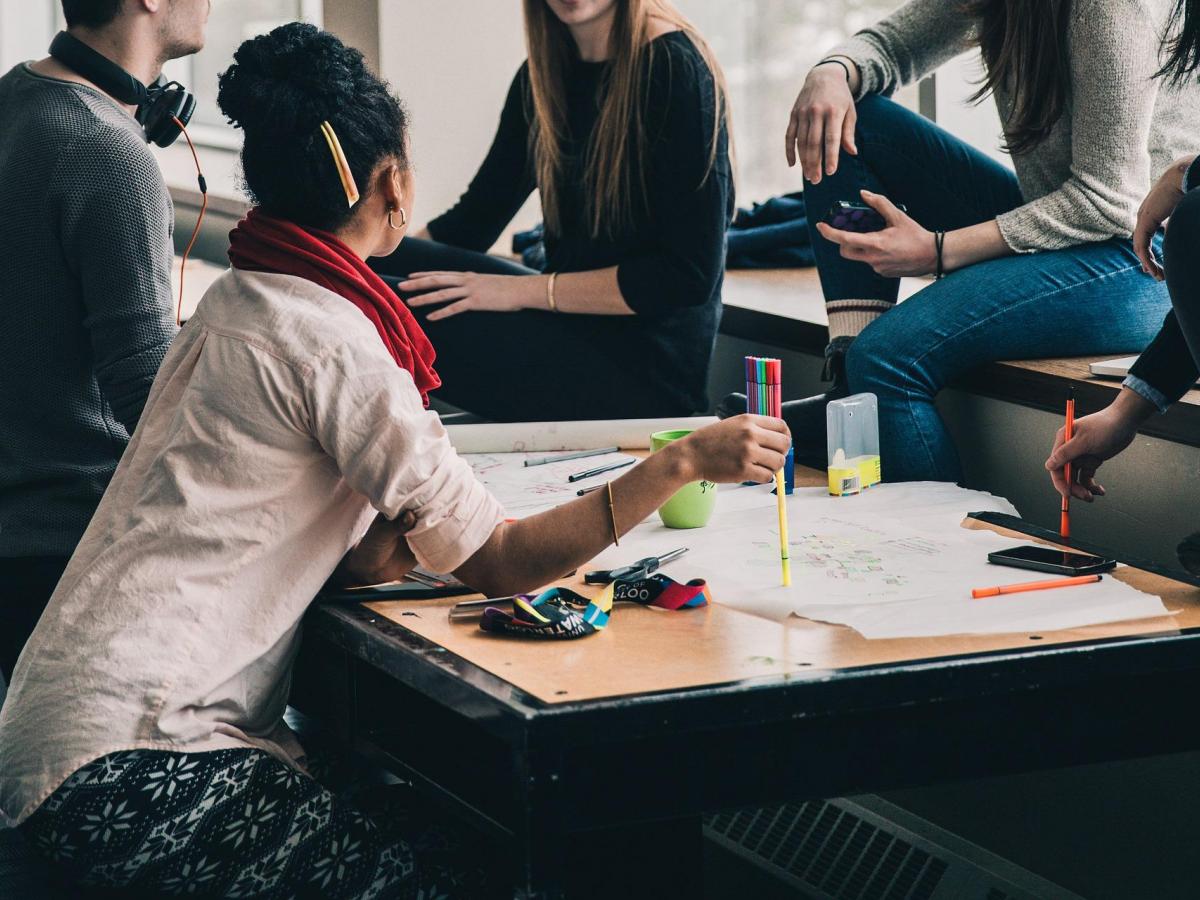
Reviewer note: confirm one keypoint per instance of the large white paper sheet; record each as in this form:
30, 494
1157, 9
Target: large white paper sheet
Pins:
891, 563
520, 437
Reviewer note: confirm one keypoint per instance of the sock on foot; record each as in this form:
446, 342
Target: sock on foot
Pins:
848, 317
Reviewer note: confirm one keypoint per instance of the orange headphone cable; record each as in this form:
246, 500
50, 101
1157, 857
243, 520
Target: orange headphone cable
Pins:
199, 220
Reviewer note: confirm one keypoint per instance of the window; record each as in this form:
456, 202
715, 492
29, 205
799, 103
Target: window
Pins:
230, 23
766, 47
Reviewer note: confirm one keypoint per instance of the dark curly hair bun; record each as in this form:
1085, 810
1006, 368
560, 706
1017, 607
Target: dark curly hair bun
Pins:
280, 88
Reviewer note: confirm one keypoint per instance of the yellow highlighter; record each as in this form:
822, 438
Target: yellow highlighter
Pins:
781, 498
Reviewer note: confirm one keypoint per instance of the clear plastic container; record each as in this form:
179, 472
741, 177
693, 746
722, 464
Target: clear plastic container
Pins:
853, 428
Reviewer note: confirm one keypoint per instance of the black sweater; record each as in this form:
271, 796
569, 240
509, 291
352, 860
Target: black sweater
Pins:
670, 261
85, 302
1167, 364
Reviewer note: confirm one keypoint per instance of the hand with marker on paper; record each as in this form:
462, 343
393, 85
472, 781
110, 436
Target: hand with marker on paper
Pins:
901, 249
1097, 438
472, 292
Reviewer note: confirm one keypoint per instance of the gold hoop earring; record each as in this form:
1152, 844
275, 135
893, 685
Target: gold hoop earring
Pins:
403, 220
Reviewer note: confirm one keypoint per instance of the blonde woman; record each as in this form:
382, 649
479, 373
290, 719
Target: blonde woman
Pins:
618, 119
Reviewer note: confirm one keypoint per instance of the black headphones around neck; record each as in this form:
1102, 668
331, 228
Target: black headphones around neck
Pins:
158, 105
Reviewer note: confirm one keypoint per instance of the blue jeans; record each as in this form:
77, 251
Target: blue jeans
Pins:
1092, 299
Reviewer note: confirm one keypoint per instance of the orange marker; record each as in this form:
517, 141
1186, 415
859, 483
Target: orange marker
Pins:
1064, 526
980, 593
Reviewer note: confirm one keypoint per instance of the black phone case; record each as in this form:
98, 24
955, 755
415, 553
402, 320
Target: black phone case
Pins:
1099, 568
856, 217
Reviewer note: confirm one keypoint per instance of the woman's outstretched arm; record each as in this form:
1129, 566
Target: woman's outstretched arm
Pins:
522, 556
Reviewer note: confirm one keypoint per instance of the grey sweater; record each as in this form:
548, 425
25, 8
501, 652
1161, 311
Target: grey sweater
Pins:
1121, 129
85, 302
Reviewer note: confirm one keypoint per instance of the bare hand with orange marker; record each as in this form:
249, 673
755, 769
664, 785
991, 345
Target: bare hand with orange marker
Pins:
1097, 438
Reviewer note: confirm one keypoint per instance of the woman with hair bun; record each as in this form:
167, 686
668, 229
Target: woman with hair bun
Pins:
285, 443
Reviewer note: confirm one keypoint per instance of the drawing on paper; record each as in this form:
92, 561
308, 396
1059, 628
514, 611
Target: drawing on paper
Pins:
837, 558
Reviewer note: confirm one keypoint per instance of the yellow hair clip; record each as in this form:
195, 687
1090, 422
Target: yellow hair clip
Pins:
343, 166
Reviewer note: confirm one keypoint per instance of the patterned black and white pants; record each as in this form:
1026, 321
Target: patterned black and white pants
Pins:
236, 823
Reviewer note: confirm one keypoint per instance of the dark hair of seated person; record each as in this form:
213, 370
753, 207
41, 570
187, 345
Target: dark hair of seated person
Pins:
279, 90
90, 13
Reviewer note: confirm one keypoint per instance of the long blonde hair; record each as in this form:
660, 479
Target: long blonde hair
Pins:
615, 161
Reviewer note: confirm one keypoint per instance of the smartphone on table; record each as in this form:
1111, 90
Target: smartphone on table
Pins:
856, 217
1056, 562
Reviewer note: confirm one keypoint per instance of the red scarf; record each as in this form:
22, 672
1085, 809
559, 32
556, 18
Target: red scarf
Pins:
261, 243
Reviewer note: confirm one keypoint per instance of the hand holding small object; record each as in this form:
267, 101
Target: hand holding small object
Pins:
901, 249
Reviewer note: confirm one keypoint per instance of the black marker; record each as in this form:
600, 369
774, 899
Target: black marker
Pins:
590, 473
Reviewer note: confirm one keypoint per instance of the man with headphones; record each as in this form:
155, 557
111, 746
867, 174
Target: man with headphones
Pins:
86, 311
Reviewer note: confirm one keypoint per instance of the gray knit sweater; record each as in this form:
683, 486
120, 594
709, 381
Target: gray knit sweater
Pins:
1121, 130
85, 302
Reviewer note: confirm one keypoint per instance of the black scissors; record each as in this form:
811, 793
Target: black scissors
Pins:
634, 571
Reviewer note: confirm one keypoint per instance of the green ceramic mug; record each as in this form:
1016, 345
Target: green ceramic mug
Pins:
692, 506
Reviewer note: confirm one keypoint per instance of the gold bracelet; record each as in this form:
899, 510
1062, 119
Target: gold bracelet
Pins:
612, 512
550, 293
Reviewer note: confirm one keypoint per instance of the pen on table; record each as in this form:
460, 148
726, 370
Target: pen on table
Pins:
582, 454
579, 476
595, 487
1064, 527
980, 593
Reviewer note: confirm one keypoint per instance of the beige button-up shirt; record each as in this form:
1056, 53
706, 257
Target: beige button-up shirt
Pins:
277, 426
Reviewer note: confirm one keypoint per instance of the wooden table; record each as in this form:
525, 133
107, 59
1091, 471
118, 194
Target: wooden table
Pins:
591, 761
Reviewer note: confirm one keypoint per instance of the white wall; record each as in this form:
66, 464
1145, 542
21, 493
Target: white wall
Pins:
25, 30
452, 62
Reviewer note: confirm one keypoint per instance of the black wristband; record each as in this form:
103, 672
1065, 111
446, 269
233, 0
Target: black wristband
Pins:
836, 62
939, 242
